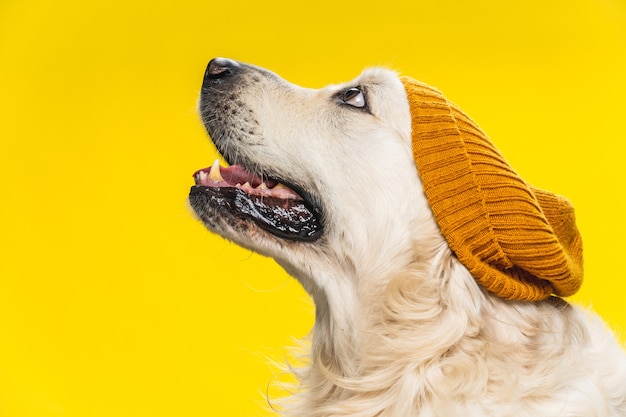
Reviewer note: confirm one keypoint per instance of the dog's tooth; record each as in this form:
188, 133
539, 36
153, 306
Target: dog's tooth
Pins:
246, 185
201, 176
279, 186
215, 174
263, 186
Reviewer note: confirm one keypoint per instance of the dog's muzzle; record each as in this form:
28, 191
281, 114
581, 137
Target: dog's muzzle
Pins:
245, 191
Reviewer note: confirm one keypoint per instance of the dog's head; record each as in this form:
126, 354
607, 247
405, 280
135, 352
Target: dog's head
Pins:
326, 182
317, 178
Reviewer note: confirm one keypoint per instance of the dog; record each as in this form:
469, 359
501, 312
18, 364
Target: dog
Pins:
326, 183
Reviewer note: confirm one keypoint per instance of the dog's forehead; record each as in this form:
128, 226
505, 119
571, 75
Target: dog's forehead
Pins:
370, 77
378, 76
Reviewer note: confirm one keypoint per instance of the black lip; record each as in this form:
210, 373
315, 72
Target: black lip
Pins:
298, 221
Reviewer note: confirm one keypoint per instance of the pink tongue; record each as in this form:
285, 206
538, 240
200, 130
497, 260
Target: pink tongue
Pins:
235, 174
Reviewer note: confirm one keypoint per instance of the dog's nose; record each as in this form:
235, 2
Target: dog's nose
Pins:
219, 68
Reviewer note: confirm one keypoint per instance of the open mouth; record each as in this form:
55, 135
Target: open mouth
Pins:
271, 204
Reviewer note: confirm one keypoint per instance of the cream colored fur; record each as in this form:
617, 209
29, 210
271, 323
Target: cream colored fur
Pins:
402, 329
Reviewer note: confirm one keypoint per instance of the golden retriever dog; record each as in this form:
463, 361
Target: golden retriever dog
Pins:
332, 184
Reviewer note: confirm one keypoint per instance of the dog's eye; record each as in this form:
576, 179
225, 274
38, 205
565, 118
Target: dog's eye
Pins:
354, 97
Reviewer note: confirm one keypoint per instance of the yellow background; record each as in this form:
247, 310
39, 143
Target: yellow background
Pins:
114, 301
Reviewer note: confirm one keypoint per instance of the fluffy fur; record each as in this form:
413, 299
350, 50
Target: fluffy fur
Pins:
402, 329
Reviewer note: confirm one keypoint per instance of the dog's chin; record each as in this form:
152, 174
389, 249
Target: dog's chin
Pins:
238, 204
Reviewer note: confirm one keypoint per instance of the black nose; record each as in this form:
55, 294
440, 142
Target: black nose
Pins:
219, 68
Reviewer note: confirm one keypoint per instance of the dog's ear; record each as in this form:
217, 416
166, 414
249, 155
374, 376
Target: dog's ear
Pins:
518, 242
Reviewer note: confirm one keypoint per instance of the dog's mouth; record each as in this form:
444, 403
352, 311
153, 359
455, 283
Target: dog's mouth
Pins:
270, 203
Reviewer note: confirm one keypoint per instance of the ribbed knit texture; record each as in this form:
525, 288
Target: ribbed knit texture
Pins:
518, 242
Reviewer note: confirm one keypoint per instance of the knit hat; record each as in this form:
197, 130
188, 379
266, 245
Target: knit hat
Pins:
519, 242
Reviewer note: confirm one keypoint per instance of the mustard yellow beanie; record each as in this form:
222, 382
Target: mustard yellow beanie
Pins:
518, 242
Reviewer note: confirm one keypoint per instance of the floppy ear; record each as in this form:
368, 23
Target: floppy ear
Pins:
517, 241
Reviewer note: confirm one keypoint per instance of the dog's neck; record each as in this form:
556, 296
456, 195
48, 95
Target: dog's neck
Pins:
383, 335
350, 296
383, 316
